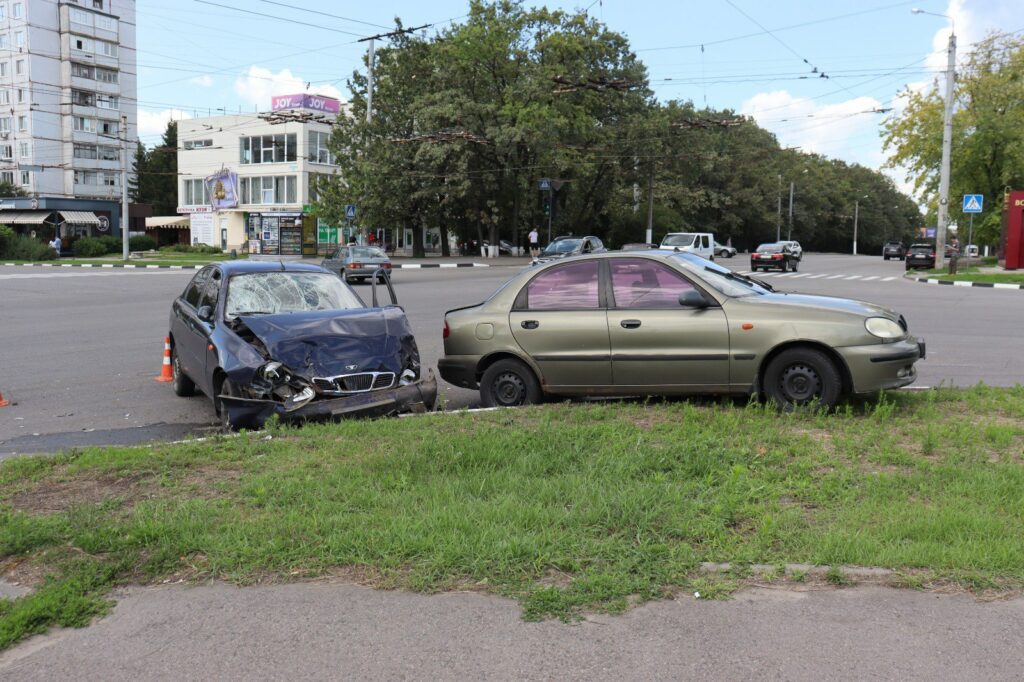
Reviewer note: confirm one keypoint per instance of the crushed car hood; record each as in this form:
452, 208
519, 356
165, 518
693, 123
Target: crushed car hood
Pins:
845, 305
330, 343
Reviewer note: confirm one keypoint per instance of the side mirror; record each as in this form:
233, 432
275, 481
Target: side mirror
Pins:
205, 313
691, 298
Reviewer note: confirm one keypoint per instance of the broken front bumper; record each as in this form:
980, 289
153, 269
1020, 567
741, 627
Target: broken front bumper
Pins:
416, 397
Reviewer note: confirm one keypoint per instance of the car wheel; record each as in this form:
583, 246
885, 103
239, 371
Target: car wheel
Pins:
182, 385
885, 258
228, 425
802, 377
509, 383
785, 266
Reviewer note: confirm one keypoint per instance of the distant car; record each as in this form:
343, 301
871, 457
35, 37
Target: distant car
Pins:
505, 247
638, 246
774, 256
291, 339
562, 247
698, 243
894, 249
794, 248
921, 255
356, 263
723, 251
971, 251
670, 323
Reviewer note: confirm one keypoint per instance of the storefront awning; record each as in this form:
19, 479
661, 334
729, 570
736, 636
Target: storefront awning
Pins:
24, 217
176, 222
80, 217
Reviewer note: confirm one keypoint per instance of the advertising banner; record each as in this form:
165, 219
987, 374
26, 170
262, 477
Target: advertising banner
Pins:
327, 105
201, 225
223, 190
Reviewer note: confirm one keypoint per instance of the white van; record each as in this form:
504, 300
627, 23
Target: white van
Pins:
699, 243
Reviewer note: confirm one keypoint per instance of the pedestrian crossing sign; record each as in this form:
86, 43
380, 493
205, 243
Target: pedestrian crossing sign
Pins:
973, 203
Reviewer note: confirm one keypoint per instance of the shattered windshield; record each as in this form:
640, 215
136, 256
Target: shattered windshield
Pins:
269, 293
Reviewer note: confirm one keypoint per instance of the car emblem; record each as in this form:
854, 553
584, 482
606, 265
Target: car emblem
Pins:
351, 367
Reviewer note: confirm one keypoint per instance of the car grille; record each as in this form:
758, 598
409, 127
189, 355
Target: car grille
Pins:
355, 383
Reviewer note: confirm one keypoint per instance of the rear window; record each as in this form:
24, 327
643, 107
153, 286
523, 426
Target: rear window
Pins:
769, 248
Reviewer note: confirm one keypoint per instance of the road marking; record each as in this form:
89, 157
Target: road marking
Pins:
770, 274
853, 277
868, 279
802, 274
836, 276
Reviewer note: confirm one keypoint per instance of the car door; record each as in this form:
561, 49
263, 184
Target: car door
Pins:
335, 262
186, 341
207, 351
657, 344
559, 320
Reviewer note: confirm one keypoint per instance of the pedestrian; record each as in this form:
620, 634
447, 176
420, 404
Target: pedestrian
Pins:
56, 244
534, 243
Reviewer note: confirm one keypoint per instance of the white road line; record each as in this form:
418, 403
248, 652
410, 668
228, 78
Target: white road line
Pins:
868, 279
802, 274
818, 276
836, 276
770, 274
853, 277
888, 279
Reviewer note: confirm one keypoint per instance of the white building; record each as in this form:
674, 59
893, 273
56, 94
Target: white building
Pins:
67, 76
275, 158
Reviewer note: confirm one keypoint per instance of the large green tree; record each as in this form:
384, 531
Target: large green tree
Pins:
155, 173
988, 133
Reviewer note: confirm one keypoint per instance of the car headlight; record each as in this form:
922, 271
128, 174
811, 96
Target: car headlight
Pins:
883, 328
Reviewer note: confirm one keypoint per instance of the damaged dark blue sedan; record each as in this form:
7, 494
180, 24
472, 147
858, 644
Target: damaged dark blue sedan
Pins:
291, 339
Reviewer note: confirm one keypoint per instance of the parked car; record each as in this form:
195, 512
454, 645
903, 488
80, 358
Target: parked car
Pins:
920, 255
356, 263
263, 338
795, 248
638, 246
561, 247
668, 323
775, 256
505, 247
894, 249
723, 251
699, 243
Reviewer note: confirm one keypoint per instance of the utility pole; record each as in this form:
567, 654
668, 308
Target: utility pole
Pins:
650, 206
778, 218
856, 211
369, 62
947, 146
124, 187
789, 231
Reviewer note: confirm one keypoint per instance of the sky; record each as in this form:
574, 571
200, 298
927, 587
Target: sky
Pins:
765, 59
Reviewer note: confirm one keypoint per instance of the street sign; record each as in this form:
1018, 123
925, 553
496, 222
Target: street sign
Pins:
350, 211
973, 203
545, 185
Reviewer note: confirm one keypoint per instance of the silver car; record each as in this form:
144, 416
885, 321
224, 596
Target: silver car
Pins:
356, 263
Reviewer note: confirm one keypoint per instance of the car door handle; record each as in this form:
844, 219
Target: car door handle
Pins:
630, 324
530, 324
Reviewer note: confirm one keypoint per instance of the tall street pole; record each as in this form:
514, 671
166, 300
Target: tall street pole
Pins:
856, 211
369, 81
124, 187
778, 218
947, 145
650, 207
789, 232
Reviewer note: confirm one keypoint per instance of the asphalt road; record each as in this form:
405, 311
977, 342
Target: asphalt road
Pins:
79, 349
329, 632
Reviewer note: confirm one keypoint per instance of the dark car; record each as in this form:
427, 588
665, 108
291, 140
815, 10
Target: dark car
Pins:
894, 249
263, 338
921, 255
775, 256
561, 247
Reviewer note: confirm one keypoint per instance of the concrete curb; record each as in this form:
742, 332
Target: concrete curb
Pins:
855, 572
405, 266
983, 285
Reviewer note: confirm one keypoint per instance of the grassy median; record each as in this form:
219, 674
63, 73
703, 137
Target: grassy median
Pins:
567, 507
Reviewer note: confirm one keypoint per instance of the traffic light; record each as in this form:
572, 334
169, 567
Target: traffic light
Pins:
547, 207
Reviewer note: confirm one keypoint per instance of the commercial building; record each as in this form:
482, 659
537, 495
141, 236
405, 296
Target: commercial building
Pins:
247, 181
67, 98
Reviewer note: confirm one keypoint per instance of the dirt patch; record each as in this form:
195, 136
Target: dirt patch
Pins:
29, 571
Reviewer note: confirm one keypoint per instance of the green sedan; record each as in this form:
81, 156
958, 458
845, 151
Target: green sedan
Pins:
670, 323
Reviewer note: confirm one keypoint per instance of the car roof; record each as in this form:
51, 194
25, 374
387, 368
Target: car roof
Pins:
237, 267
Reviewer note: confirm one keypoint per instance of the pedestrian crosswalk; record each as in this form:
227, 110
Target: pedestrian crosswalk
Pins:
821, 275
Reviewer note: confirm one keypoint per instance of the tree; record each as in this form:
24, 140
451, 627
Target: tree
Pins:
9, 190
155, 173
988, 132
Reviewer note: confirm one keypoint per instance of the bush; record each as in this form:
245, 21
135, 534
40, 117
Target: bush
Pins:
189, 248
89, 247
141, 243
112, 244
6, 239
26, 248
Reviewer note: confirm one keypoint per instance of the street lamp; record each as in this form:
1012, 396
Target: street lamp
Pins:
947, 140
856, 213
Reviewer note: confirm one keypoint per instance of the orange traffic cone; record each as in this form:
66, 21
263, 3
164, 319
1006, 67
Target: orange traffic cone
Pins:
165, 371
4, 403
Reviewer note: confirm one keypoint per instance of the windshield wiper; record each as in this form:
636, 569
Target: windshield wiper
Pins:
253, 312
741, 278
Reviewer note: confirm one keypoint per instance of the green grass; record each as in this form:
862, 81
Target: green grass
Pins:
567, 508
973, 275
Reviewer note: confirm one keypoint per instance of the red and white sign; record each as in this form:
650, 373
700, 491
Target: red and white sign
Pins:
194, 209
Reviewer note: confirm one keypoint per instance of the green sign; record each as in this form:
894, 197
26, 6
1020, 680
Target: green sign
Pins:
326, 234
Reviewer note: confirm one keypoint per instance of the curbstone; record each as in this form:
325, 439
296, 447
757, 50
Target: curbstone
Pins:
957, 283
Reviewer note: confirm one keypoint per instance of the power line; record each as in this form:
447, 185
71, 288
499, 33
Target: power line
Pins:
278, 18
325, 14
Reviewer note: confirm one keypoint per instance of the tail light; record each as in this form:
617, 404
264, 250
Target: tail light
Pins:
777, 256
932, 254
356, 265
444, 335
386, 266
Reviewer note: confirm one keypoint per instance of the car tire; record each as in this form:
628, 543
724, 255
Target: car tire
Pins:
885, 258
227, 425
182, 385
509, 383
802, 378
784, 267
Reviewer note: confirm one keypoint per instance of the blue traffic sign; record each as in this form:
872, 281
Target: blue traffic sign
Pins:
973, 203
350, 211
545, 185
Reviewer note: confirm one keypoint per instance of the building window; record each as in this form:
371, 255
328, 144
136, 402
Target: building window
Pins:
109, 127
3, 70
82, 70
24, 150
26, 178
85, 151
106, 23
100, 47
197, 144
5, 125
195, 193
21, 95
269, 189
268, 149
3, 15
97, 4
79, 16
109, 154
318, 150
17, 12
4, 42
85, 124
8, 177
19, 39
7, 152
22, 123
5, 96
106, 75
19, 67
83, 98
107, 101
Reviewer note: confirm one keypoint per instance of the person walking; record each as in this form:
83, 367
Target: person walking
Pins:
56, 244
534, 243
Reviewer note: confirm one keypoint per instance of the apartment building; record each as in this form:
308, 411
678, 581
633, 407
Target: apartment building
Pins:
261, 169
67, 97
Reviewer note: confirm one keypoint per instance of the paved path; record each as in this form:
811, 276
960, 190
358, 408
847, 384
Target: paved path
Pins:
332, 632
